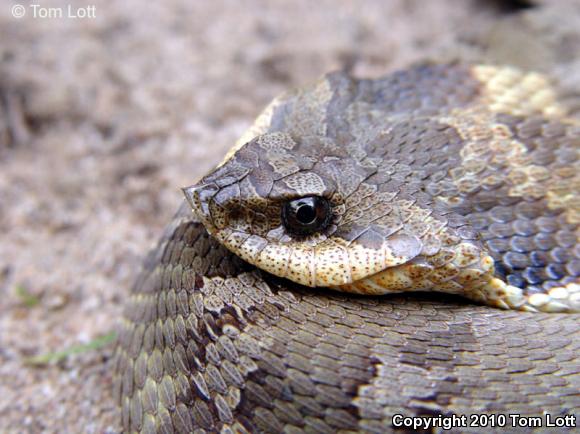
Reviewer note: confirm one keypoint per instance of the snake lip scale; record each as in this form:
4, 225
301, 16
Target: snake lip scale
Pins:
451, 179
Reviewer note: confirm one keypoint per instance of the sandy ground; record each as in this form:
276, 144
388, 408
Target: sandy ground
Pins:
103, 119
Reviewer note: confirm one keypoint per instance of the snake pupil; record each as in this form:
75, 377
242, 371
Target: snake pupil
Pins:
306, 215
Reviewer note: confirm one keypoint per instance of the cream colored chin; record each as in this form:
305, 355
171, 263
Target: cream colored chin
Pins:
329, 263
354, 269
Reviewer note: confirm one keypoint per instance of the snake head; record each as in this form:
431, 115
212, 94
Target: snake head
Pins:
301, 209
412, 182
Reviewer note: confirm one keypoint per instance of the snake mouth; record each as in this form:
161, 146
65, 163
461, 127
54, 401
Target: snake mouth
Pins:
330, 264
329, 261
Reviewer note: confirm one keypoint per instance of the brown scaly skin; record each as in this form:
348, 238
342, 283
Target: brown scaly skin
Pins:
211, 343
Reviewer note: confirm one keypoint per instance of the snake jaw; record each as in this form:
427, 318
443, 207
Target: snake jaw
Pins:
331, 263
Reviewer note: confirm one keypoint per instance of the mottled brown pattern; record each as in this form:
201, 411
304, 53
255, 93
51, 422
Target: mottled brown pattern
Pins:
212, 344
421, 162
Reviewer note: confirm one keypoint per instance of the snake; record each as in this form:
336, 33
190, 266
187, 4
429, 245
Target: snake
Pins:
369, 251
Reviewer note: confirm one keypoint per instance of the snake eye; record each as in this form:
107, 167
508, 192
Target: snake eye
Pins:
306, 215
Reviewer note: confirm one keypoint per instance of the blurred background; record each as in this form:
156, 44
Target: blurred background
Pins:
107, 108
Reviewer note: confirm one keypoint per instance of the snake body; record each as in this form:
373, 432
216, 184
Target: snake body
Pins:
445, 178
